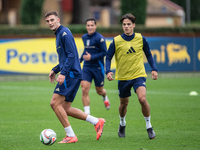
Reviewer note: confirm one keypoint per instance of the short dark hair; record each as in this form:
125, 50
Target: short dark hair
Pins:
90, 19
128, 16
49, 13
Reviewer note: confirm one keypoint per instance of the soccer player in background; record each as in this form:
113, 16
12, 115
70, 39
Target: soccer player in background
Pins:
68, 80
130, 72
93, 55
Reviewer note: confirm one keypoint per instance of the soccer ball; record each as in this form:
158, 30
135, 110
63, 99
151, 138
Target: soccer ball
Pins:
48, 137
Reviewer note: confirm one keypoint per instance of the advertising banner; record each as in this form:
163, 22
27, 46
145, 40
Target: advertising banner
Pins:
38, 56
175, 53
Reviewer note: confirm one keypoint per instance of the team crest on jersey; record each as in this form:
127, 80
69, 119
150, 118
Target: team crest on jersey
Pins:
131, 50
88, 42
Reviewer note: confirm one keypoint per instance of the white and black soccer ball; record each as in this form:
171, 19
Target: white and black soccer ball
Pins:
48, 137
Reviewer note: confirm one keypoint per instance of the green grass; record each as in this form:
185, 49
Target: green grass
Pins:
25, 112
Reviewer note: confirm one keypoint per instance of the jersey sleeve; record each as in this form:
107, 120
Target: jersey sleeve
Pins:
69, 47
109, 56
81, 58
56, 69
148, 54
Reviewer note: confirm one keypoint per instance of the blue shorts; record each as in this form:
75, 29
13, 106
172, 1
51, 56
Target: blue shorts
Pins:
69, 88
124, 87
96, 73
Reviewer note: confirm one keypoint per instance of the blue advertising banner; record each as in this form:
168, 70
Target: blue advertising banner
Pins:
175, 53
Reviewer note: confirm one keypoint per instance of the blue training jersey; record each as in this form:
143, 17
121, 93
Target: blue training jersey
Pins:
145, 47
95, 45
67, 53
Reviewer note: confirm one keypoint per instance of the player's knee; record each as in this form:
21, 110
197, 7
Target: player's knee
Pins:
142, 100
85, 90
124, 104
101, 91
53, 104
123, 107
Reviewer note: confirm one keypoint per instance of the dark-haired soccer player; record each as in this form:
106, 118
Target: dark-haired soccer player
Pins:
94, 52
128, 49
68, 80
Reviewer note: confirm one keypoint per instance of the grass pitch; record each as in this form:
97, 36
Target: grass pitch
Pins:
25, 111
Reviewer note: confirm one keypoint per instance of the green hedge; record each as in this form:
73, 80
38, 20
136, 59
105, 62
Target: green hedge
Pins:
30, 11
18, 31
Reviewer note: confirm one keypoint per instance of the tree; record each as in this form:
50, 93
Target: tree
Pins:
30, 11
136, 8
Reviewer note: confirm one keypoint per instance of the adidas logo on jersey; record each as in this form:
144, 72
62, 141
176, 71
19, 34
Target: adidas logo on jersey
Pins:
102, 83
57, 89
131, 50
64, 33
101, 40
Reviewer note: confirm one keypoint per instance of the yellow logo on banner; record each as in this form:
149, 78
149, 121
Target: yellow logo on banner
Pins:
31, 55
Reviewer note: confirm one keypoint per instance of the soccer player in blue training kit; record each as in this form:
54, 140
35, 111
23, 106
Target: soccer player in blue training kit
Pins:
68, 80
94, 51
130, 72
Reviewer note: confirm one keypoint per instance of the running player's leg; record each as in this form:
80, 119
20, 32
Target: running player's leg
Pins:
85, 85
56, 105
124, 88
79, 114
98, 77
101, 91
141, 93
69, 91
122, 114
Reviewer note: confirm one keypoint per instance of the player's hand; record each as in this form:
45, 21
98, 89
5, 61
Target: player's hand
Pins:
87, 56
52, 77
154, 75
60, 79
109, 76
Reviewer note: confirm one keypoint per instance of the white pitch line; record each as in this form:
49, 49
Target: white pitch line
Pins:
148, 92
25, 88
34, 88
